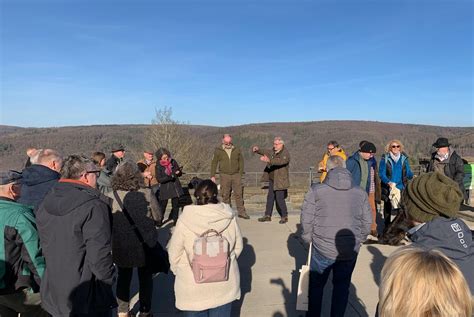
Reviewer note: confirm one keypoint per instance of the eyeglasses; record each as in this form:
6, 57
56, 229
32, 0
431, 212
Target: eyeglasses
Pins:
395, 146
96, 173
330, 148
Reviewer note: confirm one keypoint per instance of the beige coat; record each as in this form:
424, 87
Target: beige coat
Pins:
195, 220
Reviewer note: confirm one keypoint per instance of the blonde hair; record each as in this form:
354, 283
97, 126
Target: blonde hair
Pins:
389, 144
419, 283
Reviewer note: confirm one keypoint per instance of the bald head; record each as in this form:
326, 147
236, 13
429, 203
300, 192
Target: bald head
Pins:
50, 158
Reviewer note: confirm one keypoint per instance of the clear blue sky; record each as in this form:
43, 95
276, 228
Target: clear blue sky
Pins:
235, 62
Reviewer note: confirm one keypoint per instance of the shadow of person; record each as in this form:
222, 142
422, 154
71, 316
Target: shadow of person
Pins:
246, 260
377, 263
287, 295
342, 288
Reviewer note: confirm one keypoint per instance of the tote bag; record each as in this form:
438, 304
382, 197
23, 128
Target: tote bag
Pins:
302, 297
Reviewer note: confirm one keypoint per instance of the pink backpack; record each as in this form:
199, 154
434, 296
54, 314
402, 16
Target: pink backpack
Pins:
211, 260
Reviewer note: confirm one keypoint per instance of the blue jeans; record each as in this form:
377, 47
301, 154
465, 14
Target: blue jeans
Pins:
221, 311
320, 267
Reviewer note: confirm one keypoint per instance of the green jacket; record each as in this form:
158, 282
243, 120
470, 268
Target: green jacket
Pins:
230, 166
278, 169
21, 261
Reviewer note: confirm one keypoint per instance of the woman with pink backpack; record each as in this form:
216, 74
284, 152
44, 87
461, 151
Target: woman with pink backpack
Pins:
203, 253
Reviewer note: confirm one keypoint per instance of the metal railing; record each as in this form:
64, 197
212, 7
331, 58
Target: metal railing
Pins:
297, 179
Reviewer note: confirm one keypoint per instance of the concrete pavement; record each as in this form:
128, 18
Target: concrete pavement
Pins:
269, 267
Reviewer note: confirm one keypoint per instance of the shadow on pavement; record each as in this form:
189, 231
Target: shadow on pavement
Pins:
377, 263
246, 260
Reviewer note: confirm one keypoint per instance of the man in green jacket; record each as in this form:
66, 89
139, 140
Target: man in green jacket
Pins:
231, 168
21, 262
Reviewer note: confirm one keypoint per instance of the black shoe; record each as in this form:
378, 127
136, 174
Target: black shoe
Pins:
244, 216
265, 218
283, 220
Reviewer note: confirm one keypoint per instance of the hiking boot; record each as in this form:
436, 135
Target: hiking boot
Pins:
244, 215
265, 218
283, 220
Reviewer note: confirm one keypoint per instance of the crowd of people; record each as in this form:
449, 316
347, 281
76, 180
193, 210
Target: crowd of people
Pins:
75, 227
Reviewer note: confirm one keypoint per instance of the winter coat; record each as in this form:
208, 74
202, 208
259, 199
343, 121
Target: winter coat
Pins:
75, 232
388, 169
36, 182
336, 216
278, 169
170, 186
19, 248
452, 237
112, 163
353, 165
104, 181
227, 165
324, 161
194, 221
151, 167
127, 251
454, 169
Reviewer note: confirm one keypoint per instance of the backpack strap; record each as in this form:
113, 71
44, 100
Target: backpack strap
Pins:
129, 218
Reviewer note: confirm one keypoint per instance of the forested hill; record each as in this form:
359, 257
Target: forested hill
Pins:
306, 141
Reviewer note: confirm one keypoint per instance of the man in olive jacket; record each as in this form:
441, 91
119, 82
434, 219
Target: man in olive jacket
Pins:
277, 172
231, 168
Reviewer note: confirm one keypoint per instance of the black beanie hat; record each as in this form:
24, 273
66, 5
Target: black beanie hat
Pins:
368, 147
432, 195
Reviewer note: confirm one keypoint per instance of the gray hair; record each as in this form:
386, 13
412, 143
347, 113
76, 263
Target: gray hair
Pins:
335, 161
46, 156
76, 165
279, 139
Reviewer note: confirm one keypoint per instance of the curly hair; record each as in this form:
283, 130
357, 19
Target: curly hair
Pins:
389, 144
127, 177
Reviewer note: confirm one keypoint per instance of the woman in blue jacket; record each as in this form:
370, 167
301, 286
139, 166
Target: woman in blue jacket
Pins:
394, 171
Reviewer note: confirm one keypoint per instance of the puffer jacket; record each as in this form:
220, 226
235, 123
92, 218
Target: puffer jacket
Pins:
336, 216
194, 221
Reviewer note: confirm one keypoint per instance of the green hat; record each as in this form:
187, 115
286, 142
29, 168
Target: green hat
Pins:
432, 195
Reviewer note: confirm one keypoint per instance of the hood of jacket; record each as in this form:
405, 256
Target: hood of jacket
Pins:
451, 236
339, 178
65, 197
200, 218
37, 174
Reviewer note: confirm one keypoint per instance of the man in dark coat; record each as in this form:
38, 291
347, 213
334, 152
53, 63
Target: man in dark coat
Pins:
118, 153
277, 173
39, 178
445, 160
75, 235
363, 167
336, 218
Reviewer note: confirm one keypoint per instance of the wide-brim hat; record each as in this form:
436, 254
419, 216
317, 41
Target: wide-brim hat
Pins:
441, 142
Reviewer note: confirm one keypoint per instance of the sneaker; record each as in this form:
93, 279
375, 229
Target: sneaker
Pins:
244, 216
283, 220
265, 218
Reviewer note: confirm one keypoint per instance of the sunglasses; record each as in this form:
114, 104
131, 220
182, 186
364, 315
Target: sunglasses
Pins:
395, 146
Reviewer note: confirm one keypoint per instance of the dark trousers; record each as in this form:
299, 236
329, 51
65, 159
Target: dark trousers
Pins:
145, 279
320, 268
279, 197
174, 208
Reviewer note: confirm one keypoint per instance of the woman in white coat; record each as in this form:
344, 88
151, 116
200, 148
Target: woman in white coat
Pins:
207, 299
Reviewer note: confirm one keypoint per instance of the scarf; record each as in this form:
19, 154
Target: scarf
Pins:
394, 157
167, 165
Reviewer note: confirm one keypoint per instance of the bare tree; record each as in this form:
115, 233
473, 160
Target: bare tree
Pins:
190, 151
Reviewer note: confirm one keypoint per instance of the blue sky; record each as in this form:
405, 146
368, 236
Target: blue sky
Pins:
227, 63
